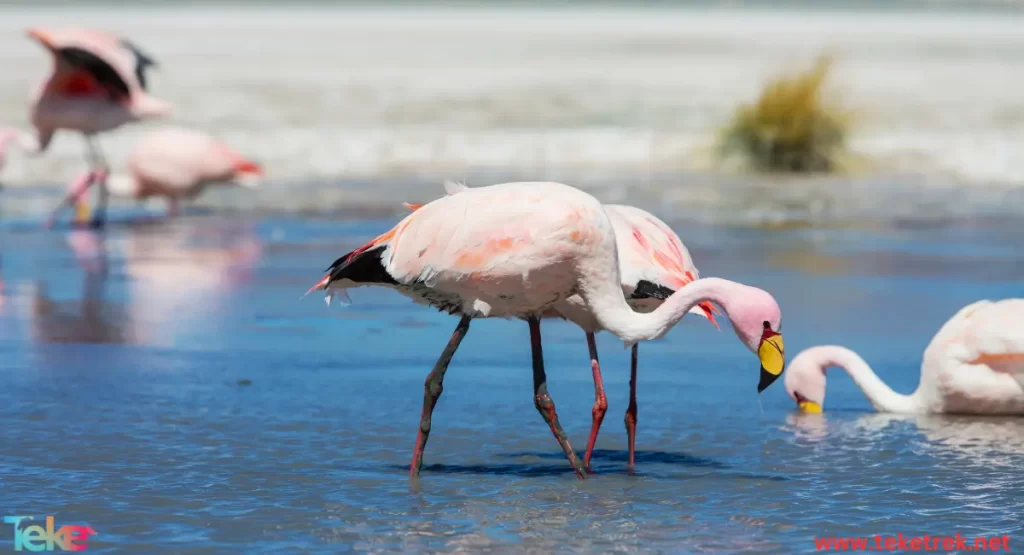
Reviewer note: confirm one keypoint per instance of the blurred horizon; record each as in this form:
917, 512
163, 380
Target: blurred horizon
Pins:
350, 106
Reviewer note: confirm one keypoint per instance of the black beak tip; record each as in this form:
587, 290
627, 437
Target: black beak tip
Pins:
767, 379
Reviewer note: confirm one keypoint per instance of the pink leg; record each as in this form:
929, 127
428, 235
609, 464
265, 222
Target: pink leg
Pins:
631, 411
600, 402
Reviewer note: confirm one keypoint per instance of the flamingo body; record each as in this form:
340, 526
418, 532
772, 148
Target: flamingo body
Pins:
973, 365
510, 250
172, 163
180, 163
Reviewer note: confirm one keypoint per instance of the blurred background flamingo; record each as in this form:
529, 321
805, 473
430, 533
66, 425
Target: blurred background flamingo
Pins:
97, 83
173, 163
974, 365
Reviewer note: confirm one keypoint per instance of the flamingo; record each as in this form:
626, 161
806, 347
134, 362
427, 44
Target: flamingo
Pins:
973, 365
98, 83
654, 263
515, 250
173, 163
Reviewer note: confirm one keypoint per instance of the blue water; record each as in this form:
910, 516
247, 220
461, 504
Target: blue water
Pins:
165, 384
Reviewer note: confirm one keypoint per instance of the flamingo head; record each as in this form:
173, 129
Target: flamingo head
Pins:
757, 321
248, 174
805, 382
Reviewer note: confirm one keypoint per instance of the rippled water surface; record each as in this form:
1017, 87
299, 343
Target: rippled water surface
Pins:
165, 384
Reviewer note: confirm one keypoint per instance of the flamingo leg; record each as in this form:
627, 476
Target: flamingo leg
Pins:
543, 401
631, 410
96, 159
432, 388
173, 208
600, 402
69, 200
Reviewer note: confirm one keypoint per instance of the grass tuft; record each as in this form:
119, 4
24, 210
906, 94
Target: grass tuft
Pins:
791, 128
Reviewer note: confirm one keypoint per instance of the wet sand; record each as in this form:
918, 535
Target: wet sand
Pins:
165, 384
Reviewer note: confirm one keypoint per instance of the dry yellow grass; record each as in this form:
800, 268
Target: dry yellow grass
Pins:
791, 127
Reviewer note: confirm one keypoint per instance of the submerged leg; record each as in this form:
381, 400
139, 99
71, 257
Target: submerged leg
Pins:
631, 410
543, 401
97, 160
432, 388
600, 402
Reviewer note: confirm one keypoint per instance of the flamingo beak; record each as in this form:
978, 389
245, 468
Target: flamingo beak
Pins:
45, 38
807, 405
248, 174
772, 353
810, 407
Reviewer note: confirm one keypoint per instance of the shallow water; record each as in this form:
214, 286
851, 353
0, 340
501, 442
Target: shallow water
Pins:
181, 395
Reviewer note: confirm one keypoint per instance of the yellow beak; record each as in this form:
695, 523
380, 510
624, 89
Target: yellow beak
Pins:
810, 407
772, 353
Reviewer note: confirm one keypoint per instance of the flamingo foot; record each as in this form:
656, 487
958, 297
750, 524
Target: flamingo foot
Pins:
432, 388
545, 406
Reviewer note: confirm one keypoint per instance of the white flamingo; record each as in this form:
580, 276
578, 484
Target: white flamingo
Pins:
974, 365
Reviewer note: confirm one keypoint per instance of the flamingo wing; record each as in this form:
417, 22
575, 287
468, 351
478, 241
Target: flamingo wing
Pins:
975, 363
992, 336
142, 62
116, 65
655, 263
102, 73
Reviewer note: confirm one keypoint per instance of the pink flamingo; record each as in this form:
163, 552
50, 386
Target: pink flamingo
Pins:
973, 365
654, 263
98, 83
515, 250
172, 163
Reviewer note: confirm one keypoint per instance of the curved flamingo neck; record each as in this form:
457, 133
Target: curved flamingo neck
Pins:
615, 315
882, 397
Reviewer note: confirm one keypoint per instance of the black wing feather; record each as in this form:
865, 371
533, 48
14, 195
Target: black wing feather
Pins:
142, 62
365, 267
648, 290
104, 74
